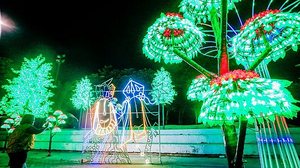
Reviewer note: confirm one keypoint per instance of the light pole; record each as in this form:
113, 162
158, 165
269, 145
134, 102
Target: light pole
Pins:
59, 59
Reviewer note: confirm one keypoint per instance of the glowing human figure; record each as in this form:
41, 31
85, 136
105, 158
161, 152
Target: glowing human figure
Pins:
104, 119
103, 137
134, 91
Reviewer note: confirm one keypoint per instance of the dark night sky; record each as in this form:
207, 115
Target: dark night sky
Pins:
93, 34
90, 34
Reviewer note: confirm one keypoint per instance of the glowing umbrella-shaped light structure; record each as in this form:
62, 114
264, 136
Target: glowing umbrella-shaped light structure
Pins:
243, 93
281, 31
169, 31
173, 39
233, 95
199, 10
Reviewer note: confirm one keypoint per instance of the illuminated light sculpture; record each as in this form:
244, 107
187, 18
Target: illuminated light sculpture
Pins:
137, 127
103, 138
199, 88
106, 89
55, 119
280, 29
241, 93
234, 146
163, 90
103, 111
82, 94
106, 142
132, 91
104, 119
82, 97
10, 123
169, 31
199, 11
30, 91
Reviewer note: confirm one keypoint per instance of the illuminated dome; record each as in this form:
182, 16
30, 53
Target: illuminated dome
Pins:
169, 31
199, 88
199, 10
244, 93
280, 31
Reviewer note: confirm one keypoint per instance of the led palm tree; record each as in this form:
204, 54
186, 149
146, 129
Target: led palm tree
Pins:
228, 96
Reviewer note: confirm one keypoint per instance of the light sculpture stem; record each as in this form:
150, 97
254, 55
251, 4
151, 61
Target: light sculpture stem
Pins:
224, 62
193, 64
241, 141
264, 54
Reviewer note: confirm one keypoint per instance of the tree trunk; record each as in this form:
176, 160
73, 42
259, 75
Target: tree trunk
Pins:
196, 117
179, 117
230, 143
50, 142
80, 118
167, 117
242, 137
163, 115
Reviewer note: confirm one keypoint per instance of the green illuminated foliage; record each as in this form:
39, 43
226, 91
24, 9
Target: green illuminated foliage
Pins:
29, 92
232, 94
199, 88
82, 94
55, 120
162, 88
198, 11
240, 93
237, 95
169, 31
281, 31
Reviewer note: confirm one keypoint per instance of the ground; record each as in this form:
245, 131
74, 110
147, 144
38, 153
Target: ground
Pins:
71, 159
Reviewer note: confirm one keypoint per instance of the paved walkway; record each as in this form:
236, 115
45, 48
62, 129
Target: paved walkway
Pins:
67, 159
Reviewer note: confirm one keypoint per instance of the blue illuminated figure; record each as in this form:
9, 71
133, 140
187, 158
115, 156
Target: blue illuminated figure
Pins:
135, 90
134, 94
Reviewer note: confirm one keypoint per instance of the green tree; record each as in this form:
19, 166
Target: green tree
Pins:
82, 96
163, 90
30, 90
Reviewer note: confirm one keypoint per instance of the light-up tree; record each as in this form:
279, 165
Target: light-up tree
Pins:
163, 90
55, 119
228, 96
82, 96
30, 91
